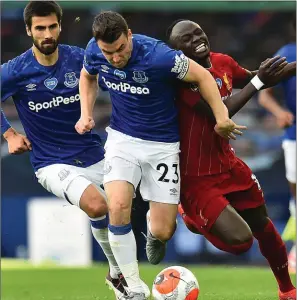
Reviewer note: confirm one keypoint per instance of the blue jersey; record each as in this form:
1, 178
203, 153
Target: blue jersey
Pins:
48, 103
289, 88
143, 92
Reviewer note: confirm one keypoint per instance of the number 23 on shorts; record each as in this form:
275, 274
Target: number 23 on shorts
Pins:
169, 173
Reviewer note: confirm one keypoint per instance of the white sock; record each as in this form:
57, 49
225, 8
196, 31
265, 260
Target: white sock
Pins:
123, 245
101, 236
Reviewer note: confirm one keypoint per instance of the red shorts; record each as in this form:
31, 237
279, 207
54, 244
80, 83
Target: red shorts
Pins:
204, 198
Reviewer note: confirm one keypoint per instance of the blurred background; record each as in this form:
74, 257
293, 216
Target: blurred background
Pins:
248, 31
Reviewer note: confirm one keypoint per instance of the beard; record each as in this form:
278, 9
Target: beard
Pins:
47, 47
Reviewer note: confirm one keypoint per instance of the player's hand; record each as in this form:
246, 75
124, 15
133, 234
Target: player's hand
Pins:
284, 119
271, 68
228, 129
17, 143
84, 125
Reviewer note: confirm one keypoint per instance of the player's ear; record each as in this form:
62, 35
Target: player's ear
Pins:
129, 33
60, 27
28, 31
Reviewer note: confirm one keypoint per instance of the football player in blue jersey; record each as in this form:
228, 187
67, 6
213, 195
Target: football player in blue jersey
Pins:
143, 140
286, 118
43, 83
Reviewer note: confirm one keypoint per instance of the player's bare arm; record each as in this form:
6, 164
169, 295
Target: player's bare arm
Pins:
88, 88
288, 71
269, 102
17, 143
209, 91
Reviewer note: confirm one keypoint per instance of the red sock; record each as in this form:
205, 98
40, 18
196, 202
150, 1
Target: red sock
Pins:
274, 250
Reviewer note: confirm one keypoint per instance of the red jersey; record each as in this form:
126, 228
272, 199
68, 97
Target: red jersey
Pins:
203, 151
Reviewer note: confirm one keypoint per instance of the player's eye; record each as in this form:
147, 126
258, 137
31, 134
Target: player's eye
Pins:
40, 28
186, 38
54, 26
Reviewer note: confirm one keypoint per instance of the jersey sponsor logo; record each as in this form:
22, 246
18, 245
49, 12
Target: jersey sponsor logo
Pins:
51, 83
140, 77
181, 66
55, 102
120, 74
31, 87
219, 82
70, 80
125, 87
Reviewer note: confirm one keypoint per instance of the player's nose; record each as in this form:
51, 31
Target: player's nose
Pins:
116, 58
48, 34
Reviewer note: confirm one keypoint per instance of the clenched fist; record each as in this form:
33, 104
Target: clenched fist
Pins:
84, 125
17, 143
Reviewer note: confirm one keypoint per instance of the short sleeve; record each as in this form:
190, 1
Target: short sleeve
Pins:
8, 81
89, 63
238, 73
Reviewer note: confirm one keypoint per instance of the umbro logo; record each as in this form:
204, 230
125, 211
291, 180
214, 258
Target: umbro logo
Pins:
173, 191
31, 87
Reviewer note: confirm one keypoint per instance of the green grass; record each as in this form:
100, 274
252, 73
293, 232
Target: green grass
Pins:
24, 282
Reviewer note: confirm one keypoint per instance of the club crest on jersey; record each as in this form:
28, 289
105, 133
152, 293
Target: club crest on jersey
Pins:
51, 83
219, 82
140, 77
120, 74
226, 80
70, 80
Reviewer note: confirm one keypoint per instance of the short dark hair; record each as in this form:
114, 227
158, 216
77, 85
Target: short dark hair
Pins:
41, 9
108, 26
169, 29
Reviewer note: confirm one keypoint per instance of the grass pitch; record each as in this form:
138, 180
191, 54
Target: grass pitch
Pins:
21, 281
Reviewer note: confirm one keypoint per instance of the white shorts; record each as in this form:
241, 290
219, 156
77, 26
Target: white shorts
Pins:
69, 182
289, 147
154, 164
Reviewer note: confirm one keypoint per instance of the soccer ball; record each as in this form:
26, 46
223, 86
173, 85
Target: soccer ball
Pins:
175, 283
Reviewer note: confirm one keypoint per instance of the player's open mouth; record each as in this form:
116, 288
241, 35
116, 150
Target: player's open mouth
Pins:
201, 48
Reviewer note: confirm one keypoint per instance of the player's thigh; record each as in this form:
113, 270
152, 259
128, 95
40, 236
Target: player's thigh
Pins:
160, 180
251, 197
163, 219
121, 179
65, 181
202, 201
231, 228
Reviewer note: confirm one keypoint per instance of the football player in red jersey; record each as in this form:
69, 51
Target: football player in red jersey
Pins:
220, 196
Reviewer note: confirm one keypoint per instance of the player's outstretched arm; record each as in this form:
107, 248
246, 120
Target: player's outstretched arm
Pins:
88, 89
288, 71
209, 91
268, 71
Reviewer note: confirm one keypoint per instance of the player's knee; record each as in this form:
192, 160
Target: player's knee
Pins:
243, 247
163, 232
240, 237
95, 206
